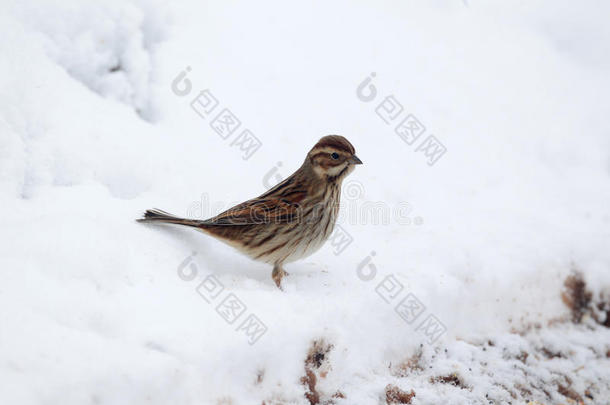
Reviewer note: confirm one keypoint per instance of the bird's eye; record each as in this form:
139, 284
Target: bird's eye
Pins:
334, 155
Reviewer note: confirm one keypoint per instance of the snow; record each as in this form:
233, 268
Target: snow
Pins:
97, 308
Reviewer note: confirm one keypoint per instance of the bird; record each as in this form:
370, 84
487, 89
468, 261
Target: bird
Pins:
290, 221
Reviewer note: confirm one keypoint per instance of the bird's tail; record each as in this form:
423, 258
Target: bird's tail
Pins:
156, 215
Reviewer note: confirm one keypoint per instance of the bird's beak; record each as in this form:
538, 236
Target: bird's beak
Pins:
355, 160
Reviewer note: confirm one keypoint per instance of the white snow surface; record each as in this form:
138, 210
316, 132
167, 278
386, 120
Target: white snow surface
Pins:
91, 134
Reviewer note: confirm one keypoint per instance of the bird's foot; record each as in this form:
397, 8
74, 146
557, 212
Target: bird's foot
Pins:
277, 275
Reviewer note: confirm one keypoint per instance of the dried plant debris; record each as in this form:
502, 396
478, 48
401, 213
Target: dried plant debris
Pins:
317, 354
582, 303
568, 392
309, 381
576, 297
452, 379
317, 366
260, 376
602, 315
409, 366
394, 395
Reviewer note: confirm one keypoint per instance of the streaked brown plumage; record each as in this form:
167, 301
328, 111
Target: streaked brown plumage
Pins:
290, 221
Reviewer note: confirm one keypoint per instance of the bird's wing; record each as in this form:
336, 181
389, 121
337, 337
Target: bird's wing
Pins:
269, 209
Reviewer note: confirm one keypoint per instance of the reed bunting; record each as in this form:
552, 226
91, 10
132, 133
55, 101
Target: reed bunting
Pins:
290, 221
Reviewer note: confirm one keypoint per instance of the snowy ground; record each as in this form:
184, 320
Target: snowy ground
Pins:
96, 125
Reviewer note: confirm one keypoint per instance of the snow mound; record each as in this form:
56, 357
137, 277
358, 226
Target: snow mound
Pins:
109, 46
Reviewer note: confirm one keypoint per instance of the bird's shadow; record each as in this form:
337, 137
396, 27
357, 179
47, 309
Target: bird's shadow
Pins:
206, 255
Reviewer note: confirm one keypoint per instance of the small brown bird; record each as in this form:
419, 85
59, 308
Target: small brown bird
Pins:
290, 221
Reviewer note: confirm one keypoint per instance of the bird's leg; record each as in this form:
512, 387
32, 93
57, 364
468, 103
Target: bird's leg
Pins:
278, 274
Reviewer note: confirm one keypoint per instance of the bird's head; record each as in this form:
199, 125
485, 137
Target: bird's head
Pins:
333, 158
